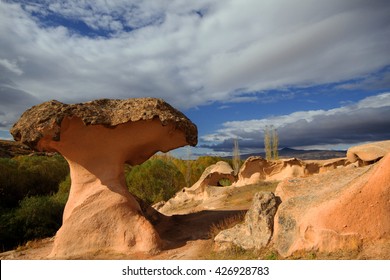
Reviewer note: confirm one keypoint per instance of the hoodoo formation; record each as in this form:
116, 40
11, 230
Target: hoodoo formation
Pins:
97, 138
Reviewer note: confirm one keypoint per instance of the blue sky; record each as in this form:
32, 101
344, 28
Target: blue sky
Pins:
318, 71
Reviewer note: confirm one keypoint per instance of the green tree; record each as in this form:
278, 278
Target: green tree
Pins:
154, 180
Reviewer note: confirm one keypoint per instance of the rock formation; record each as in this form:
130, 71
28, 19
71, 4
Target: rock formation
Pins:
257, 229
338, 210
97, 138
368, 153
205, 189
256, 169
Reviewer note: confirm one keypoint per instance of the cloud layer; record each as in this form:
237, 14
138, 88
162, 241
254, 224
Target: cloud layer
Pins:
367, 120
189, 53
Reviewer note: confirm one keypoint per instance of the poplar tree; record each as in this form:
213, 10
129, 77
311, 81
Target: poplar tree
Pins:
267, 143
271, 143
236, 156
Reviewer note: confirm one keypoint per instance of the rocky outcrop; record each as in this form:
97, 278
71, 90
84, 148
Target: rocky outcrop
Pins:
207, 188
257, 229
338, 210
256, 169
97, 138
368, 153
10, 149
211, 177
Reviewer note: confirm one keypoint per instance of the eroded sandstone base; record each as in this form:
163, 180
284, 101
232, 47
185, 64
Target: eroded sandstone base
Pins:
339, 210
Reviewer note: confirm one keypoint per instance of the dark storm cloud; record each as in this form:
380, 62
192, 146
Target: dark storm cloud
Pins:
367, 120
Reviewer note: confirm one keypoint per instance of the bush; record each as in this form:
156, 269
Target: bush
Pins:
30, 176
13, 183
36, 217
154, 180
45, 173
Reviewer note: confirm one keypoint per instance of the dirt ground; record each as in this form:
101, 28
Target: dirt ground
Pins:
185, 237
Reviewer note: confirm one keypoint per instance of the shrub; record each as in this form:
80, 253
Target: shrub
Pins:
224, 182
36, 217
154, 180
29, 176
13, 183
45, 173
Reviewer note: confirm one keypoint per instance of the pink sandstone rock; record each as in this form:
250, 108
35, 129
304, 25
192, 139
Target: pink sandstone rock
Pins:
202, 193
97, 138
256, 169
338, 210
368, 153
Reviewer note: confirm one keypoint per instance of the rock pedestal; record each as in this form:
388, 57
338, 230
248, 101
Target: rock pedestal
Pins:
97, 139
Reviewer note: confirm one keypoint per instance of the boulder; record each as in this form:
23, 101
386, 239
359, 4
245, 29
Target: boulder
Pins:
97, 138
339, 210
257, 229
368, 153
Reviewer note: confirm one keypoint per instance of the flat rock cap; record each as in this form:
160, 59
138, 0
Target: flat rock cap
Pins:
38, 121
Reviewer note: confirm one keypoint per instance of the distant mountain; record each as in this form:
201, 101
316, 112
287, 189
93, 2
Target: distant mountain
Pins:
303, 154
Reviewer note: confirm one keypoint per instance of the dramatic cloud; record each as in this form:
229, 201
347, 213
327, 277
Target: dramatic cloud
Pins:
367, 120
190, 53
9, 109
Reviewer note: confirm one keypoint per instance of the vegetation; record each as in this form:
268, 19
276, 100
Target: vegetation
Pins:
224, 182
29, 176
154, 180
236, 157
271, 143
32, 198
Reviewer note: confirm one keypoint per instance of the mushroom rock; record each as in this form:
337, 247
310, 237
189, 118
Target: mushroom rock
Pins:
368, 153
343, 209
97, 138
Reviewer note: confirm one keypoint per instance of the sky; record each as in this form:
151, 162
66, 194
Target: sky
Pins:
317, 71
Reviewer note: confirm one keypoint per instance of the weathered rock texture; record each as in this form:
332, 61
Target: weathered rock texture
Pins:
338, 210
202, 192
256, 169
97, 138
368, 153
257, 229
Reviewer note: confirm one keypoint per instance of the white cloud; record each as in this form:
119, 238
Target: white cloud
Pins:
11, 66
190, 60
352, 123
